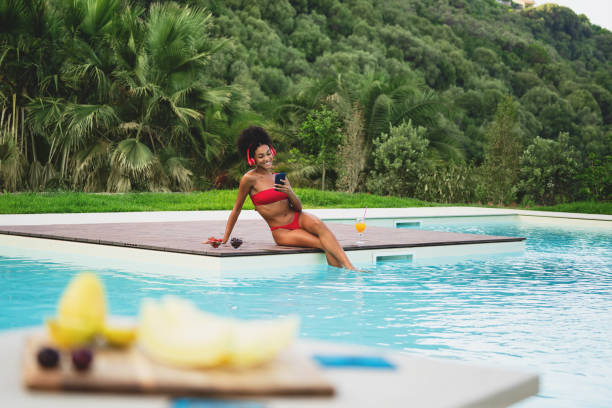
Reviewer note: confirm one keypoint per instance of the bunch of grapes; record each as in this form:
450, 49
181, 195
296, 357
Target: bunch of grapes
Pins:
236, 242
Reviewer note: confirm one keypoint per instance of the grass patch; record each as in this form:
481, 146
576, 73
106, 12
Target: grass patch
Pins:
583, 207
74, 202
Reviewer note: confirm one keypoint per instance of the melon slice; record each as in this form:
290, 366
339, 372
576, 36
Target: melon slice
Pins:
256, 342
174, 331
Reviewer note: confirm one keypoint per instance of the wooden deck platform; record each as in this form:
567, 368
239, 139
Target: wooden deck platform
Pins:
187, 237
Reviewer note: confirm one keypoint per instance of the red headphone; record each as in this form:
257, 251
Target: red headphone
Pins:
251, 161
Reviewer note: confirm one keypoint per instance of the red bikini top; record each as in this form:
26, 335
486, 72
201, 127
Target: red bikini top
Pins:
268, 196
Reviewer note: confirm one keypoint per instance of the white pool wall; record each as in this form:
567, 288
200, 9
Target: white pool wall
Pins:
166, 263
344, 213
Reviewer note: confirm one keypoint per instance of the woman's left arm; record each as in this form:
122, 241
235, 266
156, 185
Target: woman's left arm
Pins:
294, 201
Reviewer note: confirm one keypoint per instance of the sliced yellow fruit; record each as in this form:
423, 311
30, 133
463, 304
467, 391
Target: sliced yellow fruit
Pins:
83, 302
119, 335
70, 334
256, 342
81, 312
175, 332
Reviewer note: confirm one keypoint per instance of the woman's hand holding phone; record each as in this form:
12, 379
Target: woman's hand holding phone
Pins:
278, 177
281, 183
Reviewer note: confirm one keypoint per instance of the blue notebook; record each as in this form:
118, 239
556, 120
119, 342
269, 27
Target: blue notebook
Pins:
213, 403
356, 361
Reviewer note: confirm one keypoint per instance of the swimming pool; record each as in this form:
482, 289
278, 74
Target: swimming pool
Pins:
547, 310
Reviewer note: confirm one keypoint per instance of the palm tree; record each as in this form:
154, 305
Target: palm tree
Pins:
135, 108
29, 35
173, 108
11, 156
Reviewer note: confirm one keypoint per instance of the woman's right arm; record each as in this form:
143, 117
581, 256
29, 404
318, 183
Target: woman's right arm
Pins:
243, 190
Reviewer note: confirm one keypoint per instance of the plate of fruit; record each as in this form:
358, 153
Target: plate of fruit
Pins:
214, 242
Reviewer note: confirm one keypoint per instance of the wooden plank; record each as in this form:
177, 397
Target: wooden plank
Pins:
187, 237
131, 371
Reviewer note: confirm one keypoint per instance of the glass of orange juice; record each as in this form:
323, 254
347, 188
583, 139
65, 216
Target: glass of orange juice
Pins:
360, 226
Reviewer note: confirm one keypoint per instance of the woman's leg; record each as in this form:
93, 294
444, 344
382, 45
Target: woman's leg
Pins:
328, 240
302, 238
331, 260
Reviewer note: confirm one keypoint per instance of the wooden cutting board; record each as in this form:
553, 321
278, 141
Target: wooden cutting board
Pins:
130, 370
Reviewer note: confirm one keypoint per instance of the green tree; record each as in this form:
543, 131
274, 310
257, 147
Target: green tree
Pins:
309, 39
140, 94
596, 178
30, 55
503, 149
351, 153
399, 161
12, 160
548, 170
320, 134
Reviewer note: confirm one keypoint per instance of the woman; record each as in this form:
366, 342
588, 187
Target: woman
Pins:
278, 204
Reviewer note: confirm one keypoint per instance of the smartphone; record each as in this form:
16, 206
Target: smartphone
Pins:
278, 177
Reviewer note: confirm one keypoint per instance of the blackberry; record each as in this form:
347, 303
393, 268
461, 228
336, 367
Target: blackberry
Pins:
236, 242
48, 357
81, 359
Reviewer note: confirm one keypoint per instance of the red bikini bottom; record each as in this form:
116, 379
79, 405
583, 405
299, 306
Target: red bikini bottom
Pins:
295, 224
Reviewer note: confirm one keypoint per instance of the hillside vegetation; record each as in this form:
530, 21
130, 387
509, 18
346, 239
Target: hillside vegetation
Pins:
441, 100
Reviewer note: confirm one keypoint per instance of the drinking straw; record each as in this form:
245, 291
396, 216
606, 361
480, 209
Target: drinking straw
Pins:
364, 212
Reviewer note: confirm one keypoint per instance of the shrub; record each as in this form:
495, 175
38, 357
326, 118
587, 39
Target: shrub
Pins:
548, 170
449, 183
596, 178
399, 160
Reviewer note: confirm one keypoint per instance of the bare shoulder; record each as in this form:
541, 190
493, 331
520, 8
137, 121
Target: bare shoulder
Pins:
248, 179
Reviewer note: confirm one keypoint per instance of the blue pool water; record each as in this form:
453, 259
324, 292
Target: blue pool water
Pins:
547, 310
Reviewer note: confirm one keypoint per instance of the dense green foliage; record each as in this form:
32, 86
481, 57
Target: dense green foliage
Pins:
451, 183
548, 168
117, 95
398, 161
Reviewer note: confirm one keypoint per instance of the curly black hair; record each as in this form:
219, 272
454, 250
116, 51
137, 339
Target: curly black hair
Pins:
251, 138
